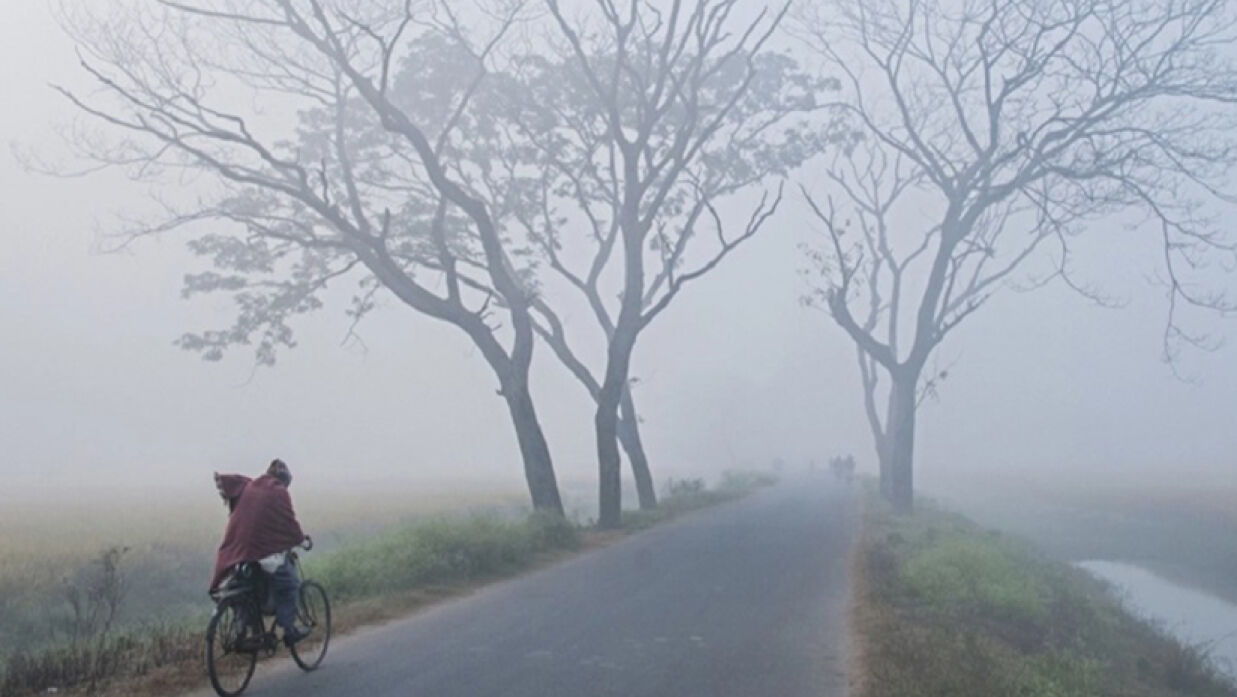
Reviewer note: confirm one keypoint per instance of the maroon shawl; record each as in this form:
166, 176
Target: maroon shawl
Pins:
262, 522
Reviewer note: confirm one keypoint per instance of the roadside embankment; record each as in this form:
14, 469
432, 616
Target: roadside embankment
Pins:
945, 607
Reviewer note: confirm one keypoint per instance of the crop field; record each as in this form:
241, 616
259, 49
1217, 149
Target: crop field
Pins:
50, 551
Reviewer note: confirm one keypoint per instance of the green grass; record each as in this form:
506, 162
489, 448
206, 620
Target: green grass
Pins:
950, 609
83, 664
1171, 530
966, 575
440, 552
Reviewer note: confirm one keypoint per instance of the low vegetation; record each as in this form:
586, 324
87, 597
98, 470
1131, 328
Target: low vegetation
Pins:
49, 552
441, 552
380, 576
683, 495
946, 608
1170, 529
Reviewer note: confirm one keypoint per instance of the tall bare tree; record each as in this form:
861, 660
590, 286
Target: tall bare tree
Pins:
360, 153
995, 132
652, 114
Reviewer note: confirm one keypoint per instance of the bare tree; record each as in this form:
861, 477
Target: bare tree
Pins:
651, 118
995, 132
362, 156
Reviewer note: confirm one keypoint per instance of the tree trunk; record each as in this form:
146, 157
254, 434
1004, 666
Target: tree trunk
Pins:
609, 466
869, 371
609, 463
629, 437
629, 420
885, 448
900, 442
538, 468
882, 459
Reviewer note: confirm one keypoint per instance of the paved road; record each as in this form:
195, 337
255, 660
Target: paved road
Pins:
742, 600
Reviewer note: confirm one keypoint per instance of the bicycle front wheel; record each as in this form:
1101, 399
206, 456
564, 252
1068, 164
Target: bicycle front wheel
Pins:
313, 612
229, 662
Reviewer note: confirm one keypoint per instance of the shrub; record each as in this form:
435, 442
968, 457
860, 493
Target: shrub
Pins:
968, 574
132, 653
550, 531
684, 487
440, 552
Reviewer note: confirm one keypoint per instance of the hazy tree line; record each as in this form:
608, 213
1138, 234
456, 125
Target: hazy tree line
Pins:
459, 157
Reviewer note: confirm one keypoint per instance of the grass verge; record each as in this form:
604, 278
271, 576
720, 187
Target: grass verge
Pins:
686, 495
944, 607
384, 577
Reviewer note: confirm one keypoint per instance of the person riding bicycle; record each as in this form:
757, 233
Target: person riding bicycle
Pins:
262, 527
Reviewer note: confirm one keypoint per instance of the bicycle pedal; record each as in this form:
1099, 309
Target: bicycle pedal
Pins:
249, 643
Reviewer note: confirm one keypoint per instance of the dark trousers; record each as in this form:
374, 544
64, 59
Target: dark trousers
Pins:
284, 586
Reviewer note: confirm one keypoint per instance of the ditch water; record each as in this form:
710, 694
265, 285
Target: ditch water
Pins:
1193, 616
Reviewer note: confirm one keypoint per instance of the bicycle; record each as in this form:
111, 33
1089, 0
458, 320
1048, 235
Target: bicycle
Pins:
238, 630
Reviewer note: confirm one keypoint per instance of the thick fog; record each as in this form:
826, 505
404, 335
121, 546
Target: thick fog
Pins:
95, 397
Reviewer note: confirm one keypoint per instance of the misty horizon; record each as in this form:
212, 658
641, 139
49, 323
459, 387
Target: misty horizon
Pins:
738, 374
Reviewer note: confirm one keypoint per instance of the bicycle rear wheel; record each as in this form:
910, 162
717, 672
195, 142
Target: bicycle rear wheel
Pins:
229, 662
313, 612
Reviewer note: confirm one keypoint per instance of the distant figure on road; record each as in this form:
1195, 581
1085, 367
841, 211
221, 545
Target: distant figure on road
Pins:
843, 467
262, 527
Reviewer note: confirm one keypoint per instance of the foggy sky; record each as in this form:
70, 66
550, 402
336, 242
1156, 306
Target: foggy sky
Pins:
735, 373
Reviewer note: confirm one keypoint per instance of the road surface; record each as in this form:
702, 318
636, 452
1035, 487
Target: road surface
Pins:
741, 600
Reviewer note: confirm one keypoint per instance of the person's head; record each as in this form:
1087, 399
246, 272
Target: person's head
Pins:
280, 471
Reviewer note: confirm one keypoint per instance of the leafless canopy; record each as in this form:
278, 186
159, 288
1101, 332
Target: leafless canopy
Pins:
996, 131
377, 176
658, 111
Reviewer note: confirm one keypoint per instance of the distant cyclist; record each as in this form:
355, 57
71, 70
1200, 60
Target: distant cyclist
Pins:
262, 527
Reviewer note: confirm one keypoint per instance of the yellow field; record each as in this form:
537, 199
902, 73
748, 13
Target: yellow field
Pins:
78, 527
46, 546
